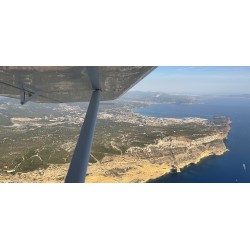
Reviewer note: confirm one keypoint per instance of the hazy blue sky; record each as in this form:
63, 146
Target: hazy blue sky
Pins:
197, 80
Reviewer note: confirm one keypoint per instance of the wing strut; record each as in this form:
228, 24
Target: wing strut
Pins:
79, 163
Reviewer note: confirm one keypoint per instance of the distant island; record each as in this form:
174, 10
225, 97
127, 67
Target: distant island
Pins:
37, 141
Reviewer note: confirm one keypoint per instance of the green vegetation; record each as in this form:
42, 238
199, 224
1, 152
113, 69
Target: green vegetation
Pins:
36, 144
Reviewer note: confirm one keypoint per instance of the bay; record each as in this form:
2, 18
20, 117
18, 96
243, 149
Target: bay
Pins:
233, 166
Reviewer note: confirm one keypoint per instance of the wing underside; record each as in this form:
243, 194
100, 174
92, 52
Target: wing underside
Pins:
68, 83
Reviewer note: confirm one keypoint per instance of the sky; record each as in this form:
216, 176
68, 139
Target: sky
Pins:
197, 80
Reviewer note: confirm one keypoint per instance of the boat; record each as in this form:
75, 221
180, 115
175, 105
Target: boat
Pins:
244, 167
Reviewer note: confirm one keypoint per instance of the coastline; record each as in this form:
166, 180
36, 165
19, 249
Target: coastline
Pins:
116, 169
146, 161
147, 171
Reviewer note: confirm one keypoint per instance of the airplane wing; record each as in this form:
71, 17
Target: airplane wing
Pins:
52, 84
72, 84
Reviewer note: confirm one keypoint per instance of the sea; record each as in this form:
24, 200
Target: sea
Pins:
231, 167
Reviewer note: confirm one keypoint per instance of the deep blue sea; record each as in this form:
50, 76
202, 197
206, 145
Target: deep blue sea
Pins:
225, 168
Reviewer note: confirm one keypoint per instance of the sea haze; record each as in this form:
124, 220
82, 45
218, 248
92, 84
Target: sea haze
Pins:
233, 166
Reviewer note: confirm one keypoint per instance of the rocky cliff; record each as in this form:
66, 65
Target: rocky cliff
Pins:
141, 164
127, 147
137, 164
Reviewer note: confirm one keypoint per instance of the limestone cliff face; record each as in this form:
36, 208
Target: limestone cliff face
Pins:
180, 151
140, 164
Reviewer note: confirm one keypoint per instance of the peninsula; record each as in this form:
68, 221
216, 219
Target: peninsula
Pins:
127, 147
